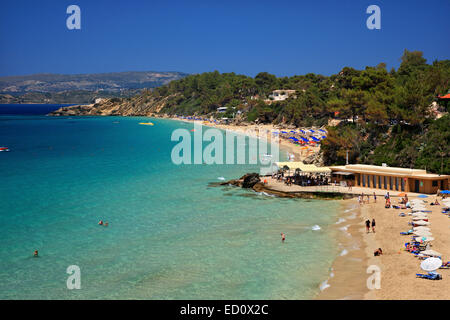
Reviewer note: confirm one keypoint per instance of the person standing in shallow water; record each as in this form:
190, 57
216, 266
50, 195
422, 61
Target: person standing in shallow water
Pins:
283, 237
35, 254
373, 225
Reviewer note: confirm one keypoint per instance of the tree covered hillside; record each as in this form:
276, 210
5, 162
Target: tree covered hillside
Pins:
378, 116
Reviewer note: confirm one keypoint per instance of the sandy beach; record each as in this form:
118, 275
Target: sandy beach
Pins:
300, 153
398, 267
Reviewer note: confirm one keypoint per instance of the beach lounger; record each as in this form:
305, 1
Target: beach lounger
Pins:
429, 276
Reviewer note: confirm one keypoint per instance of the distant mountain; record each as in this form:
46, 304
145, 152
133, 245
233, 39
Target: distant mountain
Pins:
79, 88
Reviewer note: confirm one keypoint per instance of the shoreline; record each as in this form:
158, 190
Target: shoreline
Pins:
347, 280
285, 144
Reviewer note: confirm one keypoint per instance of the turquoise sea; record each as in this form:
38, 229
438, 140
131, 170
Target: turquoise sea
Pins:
170, 236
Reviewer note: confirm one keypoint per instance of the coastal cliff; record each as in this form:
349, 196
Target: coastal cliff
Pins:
139, 105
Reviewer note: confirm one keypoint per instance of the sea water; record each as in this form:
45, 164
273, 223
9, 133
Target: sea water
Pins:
171, 234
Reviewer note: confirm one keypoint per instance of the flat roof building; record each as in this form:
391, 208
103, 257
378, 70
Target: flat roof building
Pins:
391, 178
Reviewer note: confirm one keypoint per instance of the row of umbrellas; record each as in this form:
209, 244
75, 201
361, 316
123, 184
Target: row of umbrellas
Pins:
423, 233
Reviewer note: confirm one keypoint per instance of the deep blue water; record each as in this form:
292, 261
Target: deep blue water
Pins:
29, 109
170, 234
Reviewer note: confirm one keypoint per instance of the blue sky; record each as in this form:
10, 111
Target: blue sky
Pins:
246, 37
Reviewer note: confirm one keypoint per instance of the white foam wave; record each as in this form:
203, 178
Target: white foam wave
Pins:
340, 220
324, 285
221, 178
315, 227
343, 252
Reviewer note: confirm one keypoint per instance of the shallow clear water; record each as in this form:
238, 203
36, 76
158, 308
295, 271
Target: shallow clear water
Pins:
170, 234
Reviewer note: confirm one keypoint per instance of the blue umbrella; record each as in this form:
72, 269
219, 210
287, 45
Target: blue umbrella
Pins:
304, 139
324, 137
302, 131
422, 196
283, 132
315, 139
322, 130
445, 191
312, 130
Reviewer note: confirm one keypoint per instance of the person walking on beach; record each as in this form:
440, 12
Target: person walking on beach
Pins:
368, 225
283, 237
359, 200
373, 225
374, 197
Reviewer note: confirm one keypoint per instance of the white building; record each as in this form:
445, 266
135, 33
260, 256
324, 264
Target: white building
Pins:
280, 95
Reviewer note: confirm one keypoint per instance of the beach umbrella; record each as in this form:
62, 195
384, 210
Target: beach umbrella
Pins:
431, 253
322, 130
423, 233
431, 264
417, 216
315, 139
421, 228
401, 194
422, 196
445, 191
424, 239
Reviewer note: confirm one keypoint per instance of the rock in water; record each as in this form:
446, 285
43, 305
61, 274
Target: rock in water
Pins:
250, 179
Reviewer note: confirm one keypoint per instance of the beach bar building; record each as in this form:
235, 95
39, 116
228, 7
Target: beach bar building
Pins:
390, 178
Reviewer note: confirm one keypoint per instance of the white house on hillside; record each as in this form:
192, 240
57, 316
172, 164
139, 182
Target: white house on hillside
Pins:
280, 95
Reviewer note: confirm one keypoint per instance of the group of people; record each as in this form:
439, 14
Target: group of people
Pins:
369, 224
362, 197
302, 180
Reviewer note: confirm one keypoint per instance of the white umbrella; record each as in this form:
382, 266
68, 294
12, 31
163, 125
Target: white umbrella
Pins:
420, 215
422, 233
431, 264
421, 223
421, 228
431, 253
424, 239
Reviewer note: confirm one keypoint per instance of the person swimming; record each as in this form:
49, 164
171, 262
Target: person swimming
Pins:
35, 254
283, 237
100, 222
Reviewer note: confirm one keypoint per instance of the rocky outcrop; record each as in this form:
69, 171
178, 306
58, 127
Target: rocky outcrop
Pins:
247, 181
250, 179
314, 158
140, 105
253, 181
